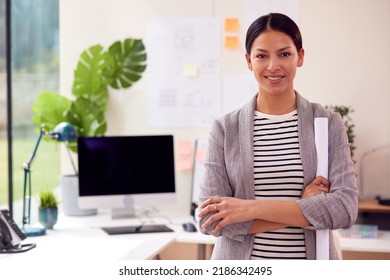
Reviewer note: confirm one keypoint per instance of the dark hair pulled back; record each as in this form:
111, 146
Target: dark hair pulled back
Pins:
273, 21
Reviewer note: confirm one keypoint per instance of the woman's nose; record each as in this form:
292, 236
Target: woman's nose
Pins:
273, 65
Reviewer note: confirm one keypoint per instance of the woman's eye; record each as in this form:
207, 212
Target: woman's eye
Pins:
285, 54
261, 56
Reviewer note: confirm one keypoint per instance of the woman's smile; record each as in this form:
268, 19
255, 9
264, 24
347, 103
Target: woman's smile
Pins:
274, 79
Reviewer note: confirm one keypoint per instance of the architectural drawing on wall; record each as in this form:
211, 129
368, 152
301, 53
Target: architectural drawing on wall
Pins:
172, 43
179, 101
183, 66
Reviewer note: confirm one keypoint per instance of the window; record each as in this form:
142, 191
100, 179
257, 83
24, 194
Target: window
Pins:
35, 68
3, 110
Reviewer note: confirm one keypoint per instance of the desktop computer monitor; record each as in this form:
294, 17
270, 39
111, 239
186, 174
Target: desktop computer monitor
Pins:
122, 172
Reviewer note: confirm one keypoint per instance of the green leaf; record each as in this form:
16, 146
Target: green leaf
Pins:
130, 62
87, 118
47, 199
344, 111
92, 75
50, 109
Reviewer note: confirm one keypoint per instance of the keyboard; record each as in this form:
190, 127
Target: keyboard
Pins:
137, 229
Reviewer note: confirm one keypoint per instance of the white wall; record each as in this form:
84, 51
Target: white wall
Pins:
347, 60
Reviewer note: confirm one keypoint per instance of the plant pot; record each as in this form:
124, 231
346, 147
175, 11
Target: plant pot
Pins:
70, 194
48, 217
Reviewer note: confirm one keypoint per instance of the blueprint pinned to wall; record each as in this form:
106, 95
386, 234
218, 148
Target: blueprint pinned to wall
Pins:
175, 42
183, 66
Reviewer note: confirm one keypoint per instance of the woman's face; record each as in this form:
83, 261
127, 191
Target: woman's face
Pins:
274, 60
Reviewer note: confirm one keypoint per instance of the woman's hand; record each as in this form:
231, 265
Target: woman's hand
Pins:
227, 210
319, 185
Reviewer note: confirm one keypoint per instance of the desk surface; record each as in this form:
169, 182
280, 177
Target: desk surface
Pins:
381, 244
82, 238
371, 205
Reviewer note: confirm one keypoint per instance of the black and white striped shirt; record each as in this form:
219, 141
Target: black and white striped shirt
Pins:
278, 174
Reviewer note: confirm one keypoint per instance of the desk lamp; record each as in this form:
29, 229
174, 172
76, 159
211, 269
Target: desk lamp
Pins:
63, 132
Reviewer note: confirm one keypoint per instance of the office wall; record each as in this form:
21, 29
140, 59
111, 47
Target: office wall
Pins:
347, 60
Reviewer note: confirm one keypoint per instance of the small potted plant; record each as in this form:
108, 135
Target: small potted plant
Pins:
48, 210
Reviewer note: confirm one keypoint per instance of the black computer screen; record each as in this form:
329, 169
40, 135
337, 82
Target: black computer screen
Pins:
121, 165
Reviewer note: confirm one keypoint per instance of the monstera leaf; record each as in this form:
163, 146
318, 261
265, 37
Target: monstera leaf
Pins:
87, 118
50, 109
92, 75
129, 60
97, 69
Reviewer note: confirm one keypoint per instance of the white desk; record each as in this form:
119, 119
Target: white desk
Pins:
82, 237
381, 244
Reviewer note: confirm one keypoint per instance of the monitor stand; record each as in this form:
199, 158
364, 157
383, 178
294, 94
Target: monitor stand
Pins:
123, 213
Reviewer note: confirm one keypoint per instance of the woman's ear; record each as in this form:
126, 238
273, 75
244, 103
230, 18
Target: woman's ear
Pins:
248, 61
301, 55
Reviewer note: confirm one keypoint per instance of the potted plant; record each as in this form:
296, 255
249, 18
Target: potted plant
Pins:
344, 111
48, 210
97, 71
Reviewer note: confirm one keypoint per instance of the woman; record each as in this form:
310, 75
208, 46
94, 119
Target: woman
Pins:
260, 192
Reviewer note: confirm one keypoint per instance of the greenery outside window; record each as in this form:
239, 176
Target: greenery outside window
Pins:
35, 67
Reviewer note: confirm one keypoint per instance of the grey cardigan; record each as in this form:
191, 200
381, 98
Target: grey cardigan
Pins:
229, 172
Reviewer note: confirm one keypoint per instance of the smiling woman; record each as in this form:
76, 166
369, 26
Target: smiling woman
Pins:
261, 195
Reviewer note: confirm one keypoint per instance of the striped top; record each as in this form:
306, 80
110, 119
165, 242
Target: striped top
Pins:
278, 174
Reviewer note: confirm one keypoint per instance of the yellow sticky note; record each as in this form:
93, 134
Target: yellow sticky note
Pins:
190, 70
231, 24
231, 42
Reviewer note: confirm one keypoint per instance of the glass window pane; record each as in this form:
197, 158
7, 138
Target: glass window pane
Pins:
35, 58
3, 113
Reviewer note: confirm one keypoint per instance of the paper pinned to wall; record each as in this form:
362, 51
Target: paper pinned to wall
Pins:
190, 70
200, 154
231, 24
184, 147
183, 163
183, 158
182, 102
231, 42
172, 42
